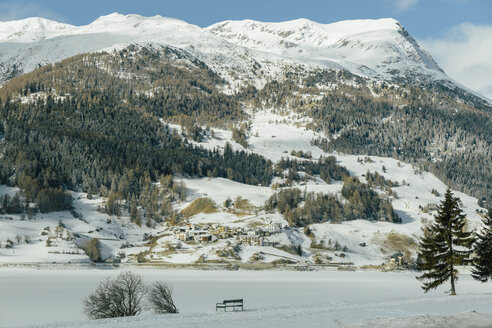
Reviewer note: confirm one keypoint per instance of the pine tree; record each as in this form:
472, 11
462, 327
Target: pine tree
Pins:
133, 210
482, 264
445, 244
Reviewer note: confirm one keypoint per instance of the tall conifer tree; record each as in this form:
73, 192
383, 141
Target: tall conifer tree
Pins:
445, 244
482, 264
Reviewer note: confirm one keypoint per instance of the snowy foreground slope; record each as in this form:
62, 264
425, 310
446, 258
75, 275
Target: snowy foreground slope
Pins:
269, 319
272, 299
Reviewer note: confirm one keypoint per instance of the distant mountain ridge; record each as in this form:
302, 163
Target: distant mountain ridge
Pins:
373, 47
381, 49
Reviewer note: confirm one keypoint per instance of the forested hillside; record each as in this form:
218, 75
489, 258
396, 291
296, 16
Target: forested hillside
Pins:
98, 123
434, 129
94, 122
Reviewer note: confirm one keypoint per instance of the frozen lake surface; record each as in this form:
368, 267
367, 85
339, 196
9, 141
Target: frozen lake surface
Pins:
272, 298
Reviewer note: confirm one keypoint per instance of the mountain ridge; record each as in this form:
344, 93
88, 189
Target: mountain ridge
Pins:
379, 49
353, 44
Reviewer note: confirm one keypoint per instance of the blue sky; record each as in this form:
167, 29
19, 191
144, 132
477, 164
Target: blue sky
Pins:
457, 32
422, 18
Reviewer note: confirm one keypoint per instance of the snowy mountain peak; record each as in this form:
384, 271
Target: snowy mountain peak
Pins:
134, 24
370, 47
31, 29
302, 32
338, 28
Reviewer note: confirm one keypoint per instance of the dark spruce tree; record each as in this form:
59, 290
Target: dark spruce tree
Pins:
445, 244
482, 264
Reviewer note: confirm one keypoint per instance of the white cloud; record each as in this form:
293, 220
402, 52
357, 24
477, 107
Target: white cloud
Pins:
404, 5
21, 10
465, 54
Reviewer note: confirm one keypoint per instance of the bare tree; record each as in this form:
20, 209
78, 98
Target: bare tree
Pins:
120, 297
160, 298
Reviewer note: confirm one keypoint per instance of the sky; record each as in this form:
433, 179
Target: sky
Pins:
458, 33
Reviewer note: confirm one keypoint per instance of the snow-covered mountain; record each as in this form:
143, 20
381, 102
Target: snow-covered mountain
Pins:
380, 49
377, 48
242, 53
153, 155
28, 44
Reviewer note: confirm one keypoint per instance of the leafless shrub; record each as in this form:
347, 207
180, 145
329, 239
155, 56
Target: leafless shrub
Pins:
120, 297
160, 298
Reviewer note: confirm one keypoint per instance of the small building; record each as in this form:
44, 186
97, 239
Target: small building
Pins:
263, 233
253, 240
223, 235
178, 230
398, 258
430, 207
113, 260
205, 238
183, 236
274, 227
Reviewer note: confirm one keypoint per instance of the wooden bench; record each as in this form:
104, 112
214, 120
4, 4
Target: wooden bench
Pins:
234, 304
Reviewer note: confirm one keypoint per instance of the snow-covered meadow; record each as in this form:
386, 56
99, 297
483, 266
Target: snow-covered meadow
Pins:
53, 298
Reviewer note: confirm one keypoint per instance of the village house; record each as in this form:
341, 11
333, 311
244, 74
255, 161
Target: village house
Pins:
263, 233
183, 236
274, 228
251, 233
397, 259
430, 207
252, 240
205, 238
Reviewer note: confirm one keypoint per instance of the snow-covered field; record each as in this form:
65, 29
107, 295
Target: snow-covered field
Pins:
53, 298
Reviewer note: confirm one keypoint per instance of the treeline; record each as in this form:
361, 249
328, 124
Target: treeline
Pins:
303, 208
326, 167
164, 81
12, 205
376, 179
366, 203
45, 199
